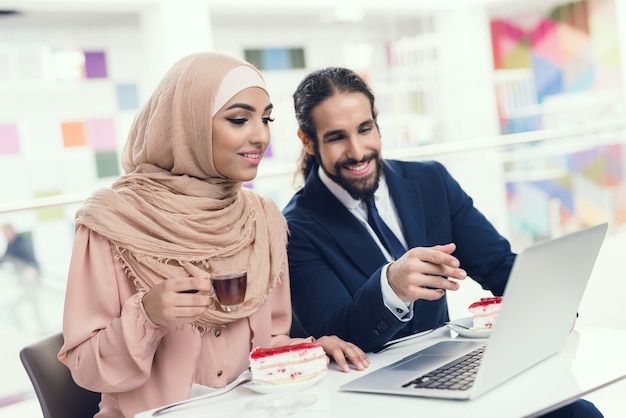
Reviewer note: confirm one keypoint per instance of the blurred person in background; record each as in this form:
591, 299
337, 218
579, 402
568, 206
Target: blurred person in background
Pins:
20, 262
19, 250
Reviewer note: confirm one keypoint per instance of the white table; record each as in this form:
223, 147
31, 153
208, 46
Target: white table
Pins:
592, 359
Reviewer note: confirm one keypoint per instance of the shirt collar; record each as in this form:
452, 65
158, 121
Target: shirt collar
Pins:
344, 197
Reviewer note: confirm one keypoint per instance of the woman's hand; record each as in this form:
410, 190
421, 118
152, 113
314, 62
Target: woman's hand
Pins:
341, 351
177, 301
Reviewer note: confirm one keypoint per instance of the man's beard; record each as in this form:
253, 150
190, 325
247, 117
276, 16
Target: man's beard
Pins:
359, 188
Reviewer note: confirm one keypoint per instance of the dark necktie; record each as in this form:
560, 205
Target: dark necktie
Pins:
385, 234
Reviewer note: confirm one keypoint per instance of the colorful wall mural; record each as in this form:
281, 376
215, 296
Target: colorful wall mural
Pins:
576, 190
566, 60
571, 49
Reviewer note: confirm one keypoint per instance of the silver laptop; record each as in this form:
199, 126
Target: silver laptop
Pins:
539, 306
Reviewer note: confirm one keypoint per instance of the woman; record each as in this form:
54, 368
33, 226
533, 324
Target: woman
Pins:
141, 324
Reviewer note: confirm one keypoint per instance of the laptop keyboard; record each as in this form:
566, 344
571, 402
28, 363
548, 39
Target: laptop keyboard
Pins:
459, 374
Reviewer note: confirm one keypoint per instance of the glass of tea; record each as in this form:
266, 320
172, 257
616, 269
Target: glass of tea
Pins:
230, 288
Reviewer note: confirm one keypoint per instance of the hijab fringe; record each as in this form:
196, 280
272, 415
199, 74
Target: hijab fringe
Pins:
146, 270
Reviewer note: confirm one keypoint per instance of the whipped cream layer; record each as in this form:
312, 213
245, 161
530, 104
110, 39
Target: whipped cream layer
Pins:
485, 312
288, 364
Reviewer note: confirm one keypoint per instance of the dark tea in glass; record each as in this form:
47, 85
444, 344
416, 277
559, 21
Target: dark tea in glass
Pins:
230, 288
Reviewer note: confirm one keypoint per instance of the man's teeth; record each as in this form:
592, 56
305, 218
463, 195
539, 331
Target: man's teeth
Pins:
357, 167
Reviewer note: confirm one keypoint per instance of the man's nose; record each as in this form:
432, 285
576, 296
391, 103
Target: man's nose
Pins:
355, 150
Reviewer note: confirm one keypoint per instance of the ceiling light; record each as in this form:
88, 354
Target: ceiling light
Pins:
348, 14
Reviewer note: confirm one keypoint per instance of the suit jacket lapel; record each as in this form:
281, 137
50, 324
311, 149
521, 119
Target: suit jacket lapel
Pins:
409, 203
332, 215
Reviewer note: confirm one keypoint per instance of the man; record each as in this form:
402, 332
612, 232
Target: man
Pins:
20, 258
342, 278
18, 250
351, 275
369, 280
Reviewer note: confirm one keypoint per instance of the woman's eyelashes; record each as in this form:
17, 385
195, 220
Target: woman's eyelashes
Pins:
237, 121
241, 121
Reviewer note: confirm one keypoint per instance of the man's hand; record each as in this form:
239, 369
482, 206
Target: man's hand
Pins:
423, 273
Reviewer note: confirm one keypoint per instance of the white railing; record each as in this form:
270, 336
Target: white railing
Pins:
480, 165
594, 134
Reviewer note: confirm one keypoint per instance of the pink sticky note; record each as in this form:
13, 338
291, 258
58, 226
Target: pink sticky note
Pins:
101, 134
9, 140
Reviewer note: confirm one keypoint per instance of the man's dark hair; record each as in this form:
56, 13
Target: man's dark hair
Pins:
314, 89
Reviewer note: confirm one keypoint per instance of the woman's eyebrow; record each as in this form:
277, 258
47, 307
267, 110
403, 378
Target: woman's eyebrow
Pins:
241, 106
247, 107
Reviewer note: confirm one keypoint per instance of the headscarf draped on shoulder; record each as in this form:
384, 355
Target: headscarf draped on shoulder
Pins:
172, 214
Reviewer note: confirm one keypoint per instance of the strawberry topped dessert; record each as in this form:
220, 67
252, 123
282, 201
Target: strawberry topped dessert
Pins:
289, 363
484, 312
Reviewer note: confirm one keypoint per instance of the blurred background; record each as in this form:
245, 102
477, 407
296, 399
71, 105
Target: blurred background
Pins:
522, 100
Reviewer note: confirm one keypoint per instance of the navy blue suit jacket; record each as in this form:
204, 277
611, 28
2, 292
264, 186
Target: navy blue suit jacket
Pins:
334, 264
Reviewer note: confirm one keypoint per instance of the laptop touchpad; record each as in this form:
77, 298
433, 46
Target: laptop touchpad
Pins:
435, 355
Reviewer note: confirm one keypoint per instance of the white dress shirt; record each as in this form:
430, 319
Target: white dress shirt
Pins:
387, 210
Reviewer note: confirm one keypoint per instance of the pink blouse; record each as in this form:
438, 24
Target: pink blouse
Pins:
112, 347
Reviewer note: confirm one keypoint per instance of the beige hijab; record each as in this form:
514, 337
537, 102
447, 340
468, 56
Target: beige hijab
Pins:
172, 214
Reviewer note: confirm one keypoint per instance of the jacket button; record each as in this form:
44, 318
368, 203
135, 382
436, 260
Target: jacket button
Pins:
382, 326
